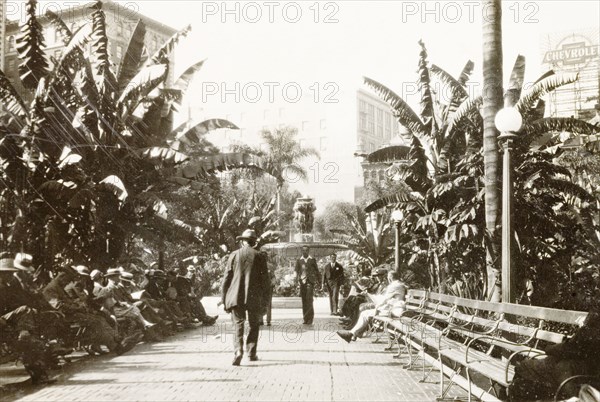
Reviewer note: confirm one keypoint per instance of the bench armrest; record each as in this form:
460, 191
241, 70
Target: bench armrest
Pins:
527, 349
568, 380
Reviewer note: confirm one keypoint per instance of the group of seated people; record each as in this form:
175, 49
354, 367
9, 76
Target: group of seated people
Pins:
103, 312
371, 295
535, 378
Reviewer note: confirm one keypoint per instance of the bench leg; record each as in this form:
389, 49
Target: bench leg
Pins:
391, 338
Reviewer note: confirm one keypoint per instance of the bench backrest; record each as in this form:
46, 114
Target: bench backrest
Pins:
489, 314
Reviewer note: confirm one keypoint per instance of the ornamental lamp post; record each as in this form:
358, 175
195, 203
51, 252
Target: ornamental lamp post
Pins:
508, 121
397, 217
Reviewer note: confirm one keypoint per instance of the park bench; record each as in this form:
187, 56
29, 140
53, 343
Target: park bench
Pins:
470, 339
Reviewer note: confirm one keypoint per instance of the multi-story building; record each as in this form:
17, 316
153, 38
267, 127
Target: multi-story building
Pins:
376, 128
359, 123
120, 23
573, 51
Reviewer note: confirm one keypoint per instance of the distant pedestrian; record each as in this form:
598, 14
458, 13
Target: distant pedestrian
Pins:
246, 286
333, 278
307, 275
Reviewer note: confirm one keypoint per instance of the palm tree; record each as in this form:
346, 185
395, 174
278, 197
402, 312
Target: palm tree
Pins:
492, 103
281, 156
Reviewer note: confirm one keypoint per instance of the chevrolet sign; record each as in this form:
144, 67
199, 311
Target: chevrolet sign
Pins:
572, 54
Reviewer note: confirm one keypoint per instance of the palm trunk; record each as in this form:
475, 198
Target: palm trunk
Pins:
492, 102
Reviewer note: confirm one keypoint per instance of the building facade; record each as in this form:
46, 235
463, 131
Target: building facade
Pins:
120, 23
2, 32
359, 123
579, 52
375, 128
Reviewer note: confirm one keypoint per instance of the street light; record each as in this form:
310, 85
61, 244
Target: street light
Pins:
397, 217
508, 122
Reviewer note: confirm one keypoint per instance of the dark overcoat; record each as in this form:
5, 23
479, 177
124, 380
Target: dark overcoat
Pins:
246, 282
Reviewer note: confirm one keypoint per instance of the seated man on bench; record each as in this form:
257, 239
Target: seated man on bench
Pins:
540, 378
393, 296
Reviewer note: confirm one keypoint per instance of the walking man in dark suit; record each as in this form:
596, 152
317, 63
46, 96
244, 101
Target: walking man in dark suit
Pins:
245, 289
333, 278
307, 275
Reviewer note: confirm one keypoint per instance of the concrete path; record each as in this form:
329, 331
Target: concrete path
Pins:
297, 363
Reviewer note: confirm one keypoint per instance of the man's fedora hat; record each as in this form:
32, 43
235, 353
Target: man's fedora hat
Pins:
380, 272
248, 234
8, 265
113, 272
24, 262
82, 270
95, 274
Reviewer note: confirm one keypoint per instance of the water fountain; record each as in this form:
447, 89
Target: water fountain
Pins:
302, 234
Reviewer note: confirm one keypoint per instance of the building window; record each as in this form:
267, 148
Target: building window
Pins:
120, 28
119, 52
362, 115
323, 144
381, 176
371, 147
57, 54
305, 125
11, 65
11, 43
323, 124
379, 123
371, 119
388, 126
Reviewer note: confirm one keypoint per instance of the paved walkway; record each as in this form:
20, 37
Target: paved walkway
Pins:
296, 363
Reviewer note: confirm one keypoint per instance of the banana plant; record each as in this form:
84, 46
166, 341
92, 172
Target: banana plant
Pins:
442, 164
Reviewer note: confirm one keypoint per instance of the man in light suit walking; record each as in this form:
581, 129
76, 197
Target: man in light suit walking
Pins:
244, 294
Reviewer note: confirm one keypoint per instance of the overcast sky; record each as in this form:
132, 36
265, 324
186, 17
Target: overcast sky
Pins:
341, 41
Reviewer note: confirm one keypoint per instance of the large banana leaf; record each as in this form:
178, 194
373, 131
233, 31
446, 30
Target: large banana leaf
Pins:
194, 133
220, 162
560, 124
515, 83
140, 86
465, 109
74, 47
101, 60
162, 55
400, 198
59, 25
424, 86
183, 81
548, 84
160, 155
130, 63
406, 116
30, 48
457, 89
11, 100
465, 74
